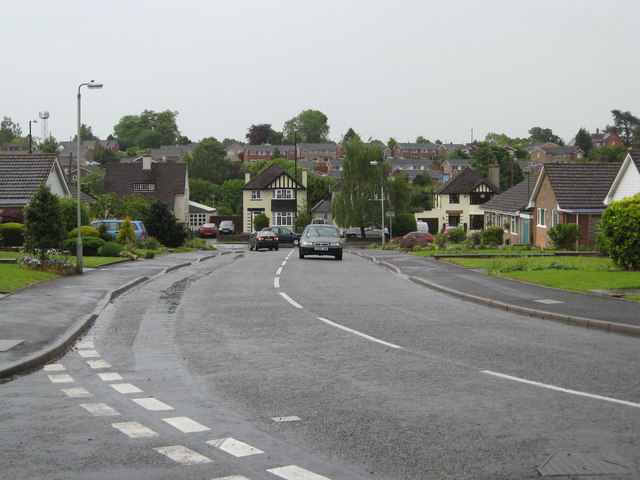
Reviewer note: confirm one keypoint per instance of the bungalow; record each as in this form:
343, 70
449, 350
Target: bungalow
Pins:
571, 193
22, 174
276, 194
166, 182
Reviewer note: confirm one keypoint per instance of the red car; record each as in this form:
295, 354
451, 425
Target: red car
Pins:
208, 230
421, 237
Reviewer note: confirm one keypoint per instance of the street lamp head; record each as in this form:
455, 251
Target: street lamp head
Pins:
94, 84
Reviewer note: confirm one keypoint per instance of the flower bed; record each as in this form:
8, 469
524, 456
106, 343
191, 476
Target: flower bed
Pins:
58, 267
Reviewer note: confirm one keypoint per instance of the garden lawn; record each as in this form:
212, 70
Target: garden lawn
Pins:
13, 278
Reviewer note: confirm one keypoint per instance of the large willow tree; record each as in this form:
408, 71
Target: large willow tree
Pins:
354, 205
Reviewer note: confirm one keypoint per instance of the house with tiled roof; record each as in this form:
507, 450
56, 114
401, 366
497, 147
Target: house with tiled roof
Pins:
510, 210
320, 152
322, 210
166, 182
601, 139
276, 194
457, 202
571, 193
415, 150
627, 181
546, 154
253, 153
67, 151
21, 174
172, 153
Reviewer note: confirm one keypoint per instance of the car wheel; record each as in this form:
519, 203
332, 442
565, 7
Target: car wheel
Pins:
296, 242
300, 254
339, 257
276, 248
257, 247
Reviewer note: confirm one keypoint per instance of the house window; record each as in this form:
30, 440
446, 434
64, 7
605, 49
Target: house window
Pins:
282, 218
542, 217
454, 198
283, 194
144, 187
479, 198
476, 222
514, 225
255, 195
555, 218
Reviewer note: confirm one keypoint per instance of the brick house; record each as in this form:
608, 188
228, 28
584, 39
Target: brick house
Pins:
253, 153
546, 154
571, 193
67, 151
276, 194
415, 150
167, 182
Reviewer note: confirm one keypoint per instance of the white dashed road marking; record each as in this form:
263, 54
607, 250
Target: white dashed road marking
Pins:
152, 404
134, 429
54, 367
234, 447
290, 300
276, 282
109, 376
99, 409
292, 418
88, 353
185, 424
95, 364
183, 455
61, 378
82, 345
564, 390
77, 392
293, 472
355, 332
232, 477
125, 388
548, 301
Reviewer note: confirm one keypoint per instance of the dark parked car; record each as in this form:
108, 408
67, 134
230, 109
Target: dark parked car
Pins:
286, 235
226, 228
420, 237
263, 239
320, 240
208, 230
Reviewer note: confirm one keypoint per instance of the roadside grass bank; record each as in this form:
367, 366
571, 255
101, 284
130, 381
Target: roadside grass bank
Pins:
579, 274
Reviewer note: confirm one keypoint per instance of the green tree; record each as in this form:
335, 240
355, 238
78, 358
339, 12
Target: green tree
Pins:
421, 139
105, 156
107, 206
136, 206
275, 137
318, 188
353, 205
391, 143
350, 134
44, 228
628, 127
399, 194
162, 225
229, 141
9, 130
148, 130
201, 191
208, 162
69, 213
92, 183
620, 233
540, 135
260, 221
258, 134
311, 127
48, 145
422, 192
583, 140
85, 134
616, 153
227, 197
487, 155
126, 235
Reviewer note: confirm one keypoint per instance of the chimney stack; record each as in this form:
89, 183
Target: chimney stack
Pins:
494, 175
146, 162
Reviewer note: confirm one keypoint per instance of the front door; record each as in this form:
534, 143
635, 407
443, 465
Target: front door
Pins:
525, 230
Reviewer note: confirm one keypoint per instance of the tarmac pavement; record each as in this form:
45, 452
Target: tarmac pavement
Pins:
40, 322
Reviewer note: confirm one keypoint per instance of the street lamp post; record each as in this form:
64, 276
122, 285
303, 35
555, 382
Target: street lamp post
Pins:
381, 163
30, 138
79, 263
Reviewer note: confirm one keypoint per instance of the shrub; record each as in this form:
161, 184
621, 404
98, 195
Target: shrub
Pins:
196, 243
126, 235
103, 232
441, 239
162, 224
110, 249
260, 221
85, 231
69, 212
404, 223
457, 235
492, 235
149, 255
619, 225
43, 223
90, 245
12, 233
564, 236
150, 244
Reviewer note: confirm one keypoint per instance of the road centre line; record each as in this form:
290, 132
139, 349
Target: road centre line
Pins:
276, 282
356, 332
279, 271
290, 300
563, 390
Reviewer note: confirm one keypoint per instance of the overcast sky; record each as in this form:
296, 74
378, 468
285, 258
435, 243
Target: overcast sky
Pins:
386, 68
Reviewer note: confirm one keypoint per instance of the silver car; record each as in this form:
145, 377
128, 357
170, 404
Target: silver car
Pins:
320, 240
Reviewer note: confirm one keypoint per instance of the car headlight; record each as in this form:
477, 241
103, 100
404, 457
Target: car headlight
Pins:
306, 244
336, 244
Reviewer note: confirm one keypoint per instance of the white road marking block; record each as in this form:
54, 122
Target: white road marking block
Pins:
564, 390
99, 409
152, 404
234, 447
548, 301
293, 472
290, 300
356, 332
185, 424
109, 376
95, 364
292, 418
54, 367
279, 271
125, 388
183, 455
77, 392
61, 378
232, 477
276, 282
134, 429
88, 353
81, 345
